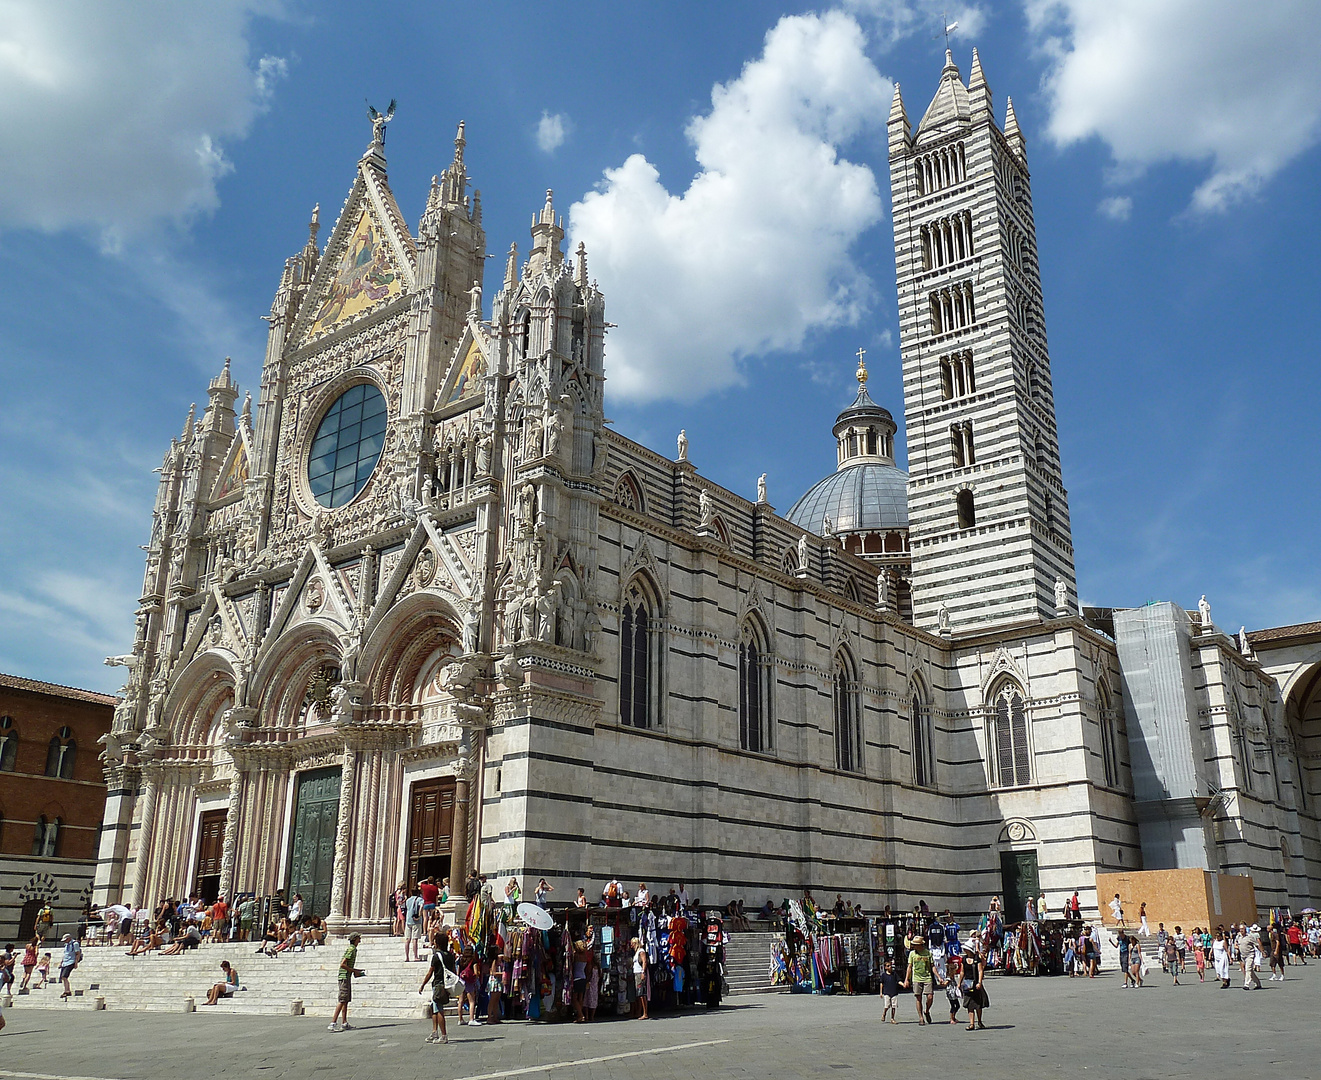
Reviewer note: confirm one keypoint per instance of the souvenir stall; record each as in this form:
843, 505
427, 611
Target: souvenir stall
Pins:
1035, 948
822, 954
671, 942
516, 947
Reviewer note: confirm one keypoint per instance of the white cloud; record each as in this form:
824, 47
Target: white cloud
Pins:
755, 254
118, 114
552, 131
898, 19
1116, 208
1213, 82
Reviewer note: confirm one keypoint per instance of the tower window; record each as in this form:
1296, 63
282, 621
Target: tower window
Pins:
639, 647
961, 444
8, 744
1012, 756
46, 838
753, 691
924, 758
966, 511
60, 754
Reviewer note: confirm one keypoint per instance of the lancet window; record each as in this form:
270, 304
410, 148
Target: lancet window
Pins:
1011, 756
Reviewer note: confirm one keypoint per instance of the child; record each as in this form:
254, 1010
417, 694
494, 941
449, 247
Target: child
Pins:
953, 987
43, 969
889, 992
1199, 954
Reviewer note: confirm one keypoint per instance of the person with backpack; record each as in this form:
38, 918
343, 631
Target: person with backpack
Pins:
440, 994
414, 913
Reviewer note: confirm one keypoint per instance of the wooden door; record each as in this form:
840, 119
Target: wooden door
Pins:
210, 847
430, 826
312, 844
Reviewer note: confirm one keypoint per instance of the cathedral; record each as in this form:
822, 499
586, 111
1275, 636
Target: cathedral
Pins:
418, 610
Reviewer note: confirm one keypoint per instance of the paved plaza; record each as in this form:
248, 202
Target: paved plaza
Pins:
1036, 1028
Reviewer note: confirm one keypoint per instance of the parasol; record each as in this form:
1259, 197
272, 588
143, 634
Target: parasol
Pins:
536, 917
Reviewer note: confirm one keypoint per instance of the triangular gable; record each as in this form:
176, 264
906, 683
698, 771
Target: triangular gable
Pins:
234, 473
368, 261
468, 368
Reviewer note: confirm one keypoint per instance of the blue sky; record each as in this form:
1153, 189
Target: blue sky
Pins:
159, 162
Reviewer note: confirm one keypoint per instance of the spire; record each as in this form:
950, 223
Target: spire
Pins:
247, 409
1013, 135
950, 65
511, 267
898, 122
547, 234
950, 104
580, 273
314, 227
188, 424
861, 373
979, 92
454, 181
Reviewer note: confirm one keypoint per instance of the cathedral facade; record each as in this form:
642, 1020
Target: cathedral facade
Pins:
420, 610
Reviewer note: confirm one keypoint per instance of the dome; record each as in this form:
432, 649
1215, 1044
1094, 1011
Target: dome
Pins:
866, 497
868, 493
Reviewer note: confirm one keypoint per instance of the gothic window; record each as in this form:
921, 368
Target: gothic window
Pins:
46, 838
961, 444
754, 671
524, 333
924, 756
789, 563
639, 641
8, 744
966, 511
628, 493
1011, 758
1109, 751
848, 743
60, 754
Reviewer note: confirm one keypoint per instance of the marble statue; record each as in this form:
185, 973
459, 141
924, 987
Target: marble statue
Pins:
1061, 597
1204, 609
802, 552
705, 510
761, 488
942, 617
472, 624
683, 445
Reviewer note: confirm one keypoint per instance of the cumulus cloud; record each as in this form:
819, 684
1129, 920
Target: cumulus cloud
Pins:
552, 131
1209, 82
898, 19
1116, 208
116, 115
755, 253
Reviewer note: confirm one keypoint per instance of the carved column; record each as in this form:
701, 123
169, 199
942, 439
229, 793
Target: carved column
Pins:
340, 873
152, 783
463, 774
229, 850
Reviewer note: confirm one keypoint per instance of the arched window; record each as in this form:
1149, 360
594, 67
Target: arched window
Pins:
46, 837
924, 756
753, 690
60, 754
848, 748
8, 744
967, 512
789, 563
1109, 751
639, 637
1011, 763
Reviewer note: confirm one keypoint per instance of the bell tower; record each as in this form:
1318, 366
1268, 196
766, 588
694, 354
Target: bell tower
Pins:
988, 513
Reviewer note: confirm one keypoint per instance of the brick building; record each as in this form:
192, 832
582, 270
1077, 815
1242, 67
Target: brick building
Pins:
52, 797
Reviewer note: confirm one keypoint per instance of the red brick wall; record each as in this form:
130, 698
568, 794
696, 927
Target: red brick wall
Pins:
27, 792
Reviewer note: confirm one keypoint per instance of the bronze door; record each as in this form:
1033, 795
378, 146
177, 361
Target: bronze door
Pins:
210, 845
430, 825
312, 846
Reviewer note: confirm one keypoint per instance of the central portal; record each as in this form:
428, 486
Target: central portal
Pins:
312, 847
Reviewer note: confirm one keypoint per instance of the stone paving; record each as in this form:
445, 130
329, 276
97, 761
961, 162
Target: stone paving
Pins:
1036, 1028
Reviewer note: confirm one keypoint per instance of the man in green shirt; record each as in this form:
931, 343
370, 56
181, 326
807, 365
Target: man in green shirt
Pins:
921, 977
347, 973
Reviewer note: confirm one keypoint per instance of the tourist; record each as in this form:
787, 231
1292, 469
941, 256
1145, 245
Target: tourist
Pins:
440, 994
1220, 957
1070, 955
543, 890
189, 939
45, 921
247, 916
29, 962
7, 960
227, 987
1247, 957
994, 907
1277, 943
43, 970
889, 993
73, 954
642, 898
430, 894
592, 993
642, 980
1143, 928
1181, 949
1170, 958
975, 998
1030, 911
919, 977
1041, 906
346, 974
1124, 958
1161, 936
952, 982
495, 988
470, 971
512, 892
398, 897
580, 900
472, 886
1199, 953
578, 991
413, 916
1136, 961
613, 895
1117, 910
